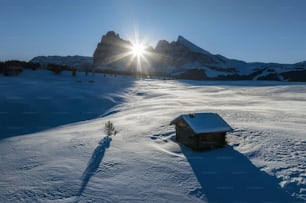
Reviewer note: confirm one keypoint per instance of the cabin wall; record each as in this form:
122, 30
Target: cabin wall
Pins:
185, 135
200, 141
211, 140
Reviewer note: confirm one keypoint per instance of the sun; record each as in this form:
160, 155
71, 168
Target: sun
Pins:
138, 50
139, 53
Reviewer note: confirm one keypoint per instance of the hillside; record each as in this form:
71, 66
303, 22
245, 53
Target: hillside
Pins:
263, 162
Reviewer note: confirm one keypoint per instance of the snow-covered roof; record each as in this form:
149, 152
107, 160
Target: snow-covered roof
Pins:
204, 122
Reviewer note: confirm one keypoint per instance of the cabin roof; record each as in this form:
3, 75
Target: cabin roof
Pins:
204, 122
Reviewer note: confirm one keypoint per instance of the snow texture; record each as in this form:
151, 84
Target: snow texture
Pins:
43, 100
263, 162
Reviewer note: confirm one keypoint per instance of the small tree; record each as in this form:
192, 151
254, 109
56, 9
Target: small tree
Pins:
109, 129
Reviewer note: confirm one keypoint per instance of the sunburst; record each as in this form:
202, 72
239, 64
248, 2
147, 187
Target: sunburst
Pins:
139, 52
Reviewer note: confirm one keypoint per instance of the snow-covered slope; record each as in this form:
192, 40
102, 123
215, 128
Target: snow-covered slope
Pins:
264, 162
38, 100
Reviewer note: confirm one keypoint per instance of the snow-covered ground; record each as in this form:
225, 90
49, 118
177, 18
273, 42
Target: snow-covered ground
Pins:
263, 162
39, 100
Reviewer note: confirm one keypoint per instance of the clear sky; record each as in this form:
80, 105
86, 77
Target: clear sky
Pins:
250, 30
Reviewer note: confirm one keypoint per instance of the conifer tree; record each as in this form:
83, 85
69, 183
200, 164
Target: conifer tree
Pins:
109, 129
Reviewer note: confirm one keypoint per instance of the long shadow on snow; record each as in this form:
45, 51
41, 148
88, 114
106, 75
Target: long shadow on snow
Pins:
18, 118
226, 175
94, 162
20, 123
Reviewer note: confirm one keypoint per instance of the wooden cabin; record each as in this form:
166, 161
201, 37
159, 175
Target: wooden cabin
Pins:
201, 131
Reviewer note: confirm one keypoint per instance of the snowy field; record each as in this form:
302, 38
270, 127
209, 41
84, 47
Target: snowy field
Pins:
73, 161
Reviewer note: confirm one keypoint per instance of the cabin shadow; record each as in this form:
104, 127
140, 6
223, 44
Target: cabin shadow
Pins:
225, 175
94, 162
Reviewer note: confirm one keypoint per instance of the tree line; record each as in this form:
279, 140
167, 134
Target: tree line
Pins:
15, 67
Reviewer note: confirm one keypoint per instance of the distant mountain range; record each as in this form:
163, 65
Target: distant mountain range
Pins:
73, 61
178, 59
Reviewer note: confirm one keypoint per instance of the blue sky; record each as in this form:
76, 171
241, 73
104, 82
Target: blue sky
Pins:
261, 30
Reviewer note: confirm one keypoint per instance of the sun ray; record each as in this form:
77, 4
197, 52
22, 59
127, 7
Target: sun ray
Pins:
117, 57
134, 54
139, 52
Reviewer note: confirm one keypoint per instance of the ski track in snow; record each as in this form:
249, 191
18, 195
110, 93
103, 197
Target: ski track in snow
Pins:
144, 162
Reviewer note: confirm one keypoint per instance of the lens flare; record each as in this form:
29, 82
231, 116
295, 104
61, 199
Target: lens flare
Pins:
139, 53
138, 50
134, 53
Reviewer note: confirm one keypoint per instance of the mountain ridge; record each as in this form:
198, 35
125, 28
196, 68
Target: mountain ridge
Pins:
182, 59
76, 61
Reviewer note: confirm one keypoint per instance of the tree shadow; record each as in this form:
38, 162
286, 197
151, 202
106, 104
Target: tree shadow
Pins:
225, 175
94, 162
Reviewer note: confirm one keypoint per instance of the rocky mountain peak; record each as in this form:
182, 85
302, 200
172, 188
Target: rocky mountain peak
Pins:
180, 38
109, 48
162, 46
110, 37
184, 59
190, 46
